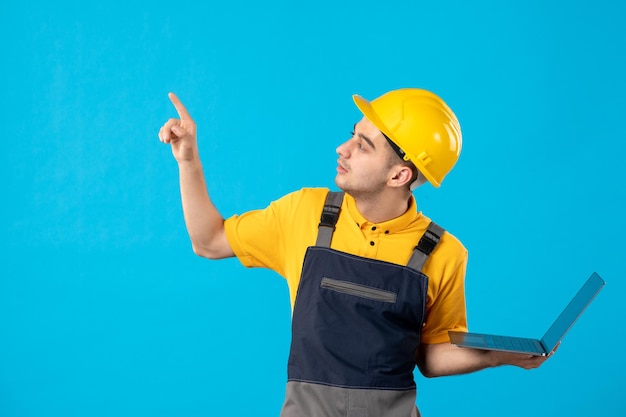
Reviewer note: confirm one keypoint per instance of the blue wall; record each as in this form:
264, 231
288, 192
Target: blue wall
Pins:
104, 309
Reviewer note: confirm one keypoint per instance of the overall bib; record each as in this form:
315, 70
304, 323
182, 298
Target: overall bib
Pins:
356, 328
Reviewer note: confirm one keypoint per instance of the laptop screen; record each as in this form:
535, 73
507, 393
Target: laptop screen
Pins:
573, 310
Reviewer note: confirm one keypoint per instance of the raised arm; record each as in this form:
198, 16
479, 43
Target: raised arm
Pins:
446, 359
204, 223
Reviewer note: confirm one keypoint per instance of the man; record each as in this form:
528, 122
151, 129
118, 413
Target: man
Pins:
377, 286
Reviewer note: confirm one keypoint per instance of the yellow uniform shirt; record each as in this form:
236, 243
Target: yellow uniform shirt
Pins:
277, 238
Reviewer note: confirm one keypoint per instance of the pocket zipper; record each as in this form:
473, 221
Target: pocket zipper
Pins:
358, 290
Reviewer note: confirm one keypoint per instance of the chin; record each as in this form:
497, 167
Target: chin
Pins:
341, 185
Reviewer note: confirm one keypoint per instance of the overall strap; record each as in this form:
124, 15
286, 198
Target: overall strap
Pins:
426, 245
330, 214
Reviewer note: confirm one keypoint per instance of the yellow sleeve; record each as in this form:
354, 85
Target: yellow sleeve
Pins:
251, 235
277, 237
445, 308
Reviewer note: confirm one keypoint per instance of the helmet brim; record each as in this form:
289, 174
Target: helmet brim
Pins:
368, 111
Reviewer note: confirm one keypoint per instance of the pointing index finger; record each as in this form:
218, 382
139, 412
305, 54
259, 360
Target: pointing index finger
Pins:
180, 108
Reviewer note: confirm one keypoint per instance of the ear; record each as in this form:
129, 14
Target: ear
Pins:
400, 176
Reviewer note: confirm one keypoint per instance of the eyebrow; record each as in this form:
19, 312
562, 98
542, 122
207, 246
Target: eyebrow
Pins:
365, 138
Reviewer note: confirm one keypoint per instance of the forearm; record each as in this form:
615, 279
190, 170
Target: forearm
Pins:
205, 224
446, 359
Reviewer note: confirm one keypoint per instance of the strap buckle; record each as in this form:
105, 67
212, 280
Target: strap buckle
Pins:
329, 216
427, 242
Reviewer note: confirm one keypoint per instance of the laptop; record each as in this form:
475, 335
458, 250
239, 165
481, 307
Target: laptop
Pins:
548, 342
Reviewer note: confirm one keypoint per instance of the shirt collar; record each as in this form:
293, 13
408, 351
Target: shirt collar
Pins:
392, 226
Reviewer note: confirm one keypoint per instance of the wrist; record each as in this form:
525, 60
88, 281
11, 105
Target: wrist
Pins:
190, 164
493, 358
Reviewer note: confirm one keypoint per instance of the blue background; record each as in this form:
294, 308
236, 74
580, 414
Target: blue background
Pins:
105, 310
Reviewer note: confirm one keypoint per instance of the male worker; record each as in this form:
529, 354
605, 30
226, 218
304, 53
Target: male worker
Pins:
375, 286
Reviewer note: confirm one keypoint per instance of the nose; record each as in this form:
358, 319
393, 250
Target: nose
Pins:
343, 150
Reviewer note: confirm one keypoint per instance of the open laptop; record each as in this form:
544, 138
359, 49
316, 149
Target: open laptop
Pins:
553, 336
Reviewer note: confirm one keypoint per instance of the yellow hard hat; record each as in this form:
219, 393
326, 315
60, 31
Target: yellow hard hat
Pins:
421, 125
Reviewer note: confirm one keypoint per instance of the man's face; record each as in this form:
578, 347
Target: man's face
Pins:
364, 161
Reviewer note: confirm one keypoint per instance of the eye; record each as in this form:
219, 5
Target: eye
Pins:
359, 141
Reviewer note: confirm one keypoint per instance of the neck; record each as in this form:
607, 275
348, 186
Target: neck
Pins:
383, 206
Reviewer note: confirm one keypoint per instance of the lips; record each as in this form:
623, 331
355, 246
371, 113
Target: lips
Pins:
341, 168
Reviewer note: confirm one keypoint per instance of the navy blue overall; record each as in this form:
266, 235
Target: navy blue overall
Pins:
355, 331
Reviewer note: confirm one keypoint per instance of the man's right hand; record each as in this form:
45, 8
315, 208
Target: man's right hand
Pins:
180, 133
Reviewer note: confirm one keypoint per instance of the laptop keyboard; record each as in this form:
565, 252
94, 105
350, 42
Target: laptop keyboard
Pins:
512, 343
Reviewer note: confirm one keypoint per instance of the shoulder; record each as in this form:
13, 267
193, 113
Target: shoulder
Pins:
298, 207
297, 204
309, 194
449, 245
454, 244
286, 221
305, 199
